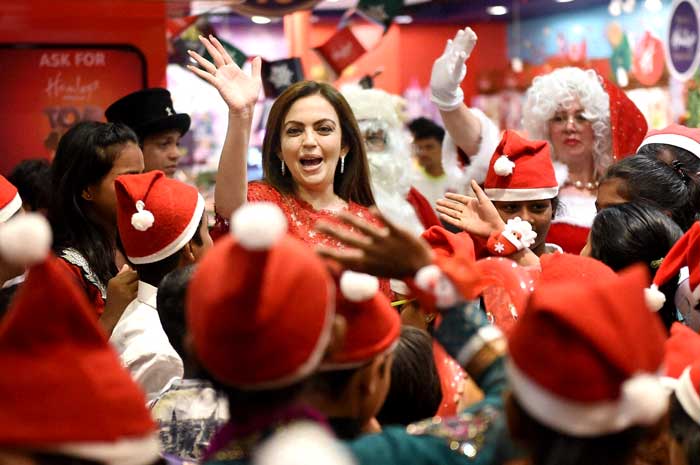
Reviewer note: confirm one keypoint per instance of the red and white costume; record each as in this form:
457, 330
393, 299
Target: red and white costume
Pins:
378, 113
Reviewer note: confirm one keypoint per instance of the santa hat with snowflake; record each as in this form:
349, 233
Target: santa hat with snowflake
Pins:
156, 216
68, 393
10, 201
373, 326
677, 136
685, 252
267, 325
520, 170
587, 375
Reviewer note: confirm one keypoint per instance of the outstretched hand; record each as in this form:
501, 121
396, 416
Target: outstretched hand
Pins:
239, 90
477, 216
450, 69
389, 251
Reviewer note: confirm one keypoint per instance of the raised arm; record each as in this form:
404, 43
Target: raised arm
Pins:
449, 70
240, 92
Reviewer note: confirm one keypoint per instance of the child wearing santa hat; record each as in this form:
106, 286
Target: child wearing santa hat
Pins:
10, 205
162, 226
353, 382
674, 143
522, 186
66, 398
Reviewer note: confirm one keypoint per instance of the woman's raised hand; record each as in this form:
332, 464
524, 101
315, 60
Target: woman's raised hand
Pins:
239, 90
449, 70
477, 216
389, 251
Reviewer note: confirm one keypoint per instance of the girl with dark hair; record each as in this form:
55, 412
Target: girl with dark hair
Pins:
671, 189
625, 234
314, 160
83, 211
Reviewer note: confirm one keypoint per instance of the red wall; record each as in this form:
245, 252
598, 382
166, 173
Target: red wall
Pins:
407, 52
141, 24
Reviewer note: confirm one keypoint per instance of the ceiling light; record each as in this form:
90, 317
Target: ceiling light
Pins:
403, 19
260, 19
615, 7
563, 1
497, 10
653, 5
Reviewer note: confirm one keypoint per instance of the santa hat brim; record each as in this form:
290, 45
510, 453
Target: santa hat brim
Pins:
521, 195
574, 418
139, 451
11, 208
688, 396
675, 140
179, 242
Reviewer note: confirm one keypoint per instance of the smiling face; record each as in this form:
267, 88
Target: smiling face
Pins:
311, 143
571, 134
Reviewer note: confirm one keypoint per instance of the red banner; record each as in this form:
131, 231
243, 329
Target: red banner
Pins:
47, 89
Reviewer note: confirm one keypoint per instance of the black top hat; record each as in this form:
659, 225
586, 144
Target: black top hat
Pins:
147, 112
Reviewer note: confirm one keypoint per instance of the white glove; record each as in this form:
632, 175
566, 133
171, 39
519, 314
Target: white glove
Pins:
449, 71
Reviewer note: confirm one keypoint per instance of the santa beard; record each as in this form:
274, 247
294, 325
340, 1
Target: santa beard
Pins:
390, 180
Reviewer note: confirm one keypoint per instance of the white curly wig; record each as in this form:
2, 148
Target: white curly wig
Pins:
561, 88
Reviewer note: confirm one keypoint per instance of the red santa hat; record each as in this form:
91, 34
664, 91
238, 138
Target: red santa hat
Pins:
156, 216
681, 349
688, 391
627, 123
373, 326
561, 266
589, 369
685, 252
520, 170
66, 390
677, 136
10, 201
268, 323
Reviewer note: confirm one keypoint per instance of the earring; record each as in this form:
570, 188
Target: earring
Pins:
342, 165
282, 167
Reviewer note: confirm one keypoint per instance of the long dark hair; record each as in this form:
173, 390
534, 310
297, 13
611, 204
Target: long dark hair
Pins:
85, 155
352, 185
630, 233
669, 188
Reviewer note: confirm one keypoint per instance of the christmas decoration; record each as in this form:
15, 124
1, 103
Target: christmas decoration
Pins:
280, 74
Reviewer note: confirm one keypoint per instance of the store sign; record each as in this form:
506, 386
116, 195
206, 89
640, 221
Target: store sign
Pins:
681, 41
52, 87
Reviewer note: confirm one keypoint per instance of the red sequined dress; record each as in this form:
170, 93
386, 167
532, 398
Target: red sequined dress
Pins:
301, 218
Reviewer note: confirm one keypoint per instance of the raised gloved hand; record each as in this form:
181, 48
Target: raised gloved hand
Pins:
449, 70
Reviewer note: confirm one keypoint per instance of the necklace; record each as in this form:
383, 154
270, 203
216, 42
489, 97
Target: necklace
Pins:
580, 185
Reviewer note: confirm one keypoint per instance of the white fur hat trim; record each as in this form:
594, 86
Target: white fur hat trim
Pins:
26, 239
358, 287
503, 166
258, 225
303, 443
143, 219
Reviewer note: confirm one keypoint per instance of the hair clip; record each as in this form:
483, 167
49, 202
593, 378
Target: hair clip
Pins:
657, 263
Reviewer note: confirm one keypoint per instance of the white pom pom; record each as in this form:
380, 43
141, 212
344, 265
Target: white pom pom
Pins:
358, 287
503, 166
258, 225
654, 297
142, 220
431, 279
25, 240
644, 399
303, 443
